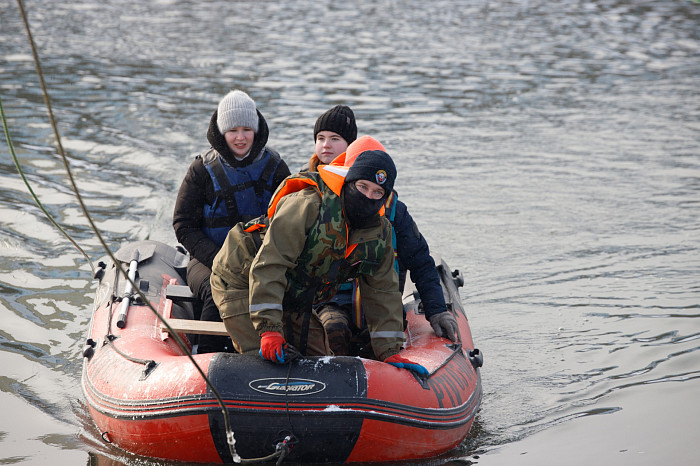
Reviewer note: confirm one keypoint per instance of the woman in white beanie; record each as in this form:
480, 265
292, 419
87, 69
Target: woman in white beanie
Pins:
230, 182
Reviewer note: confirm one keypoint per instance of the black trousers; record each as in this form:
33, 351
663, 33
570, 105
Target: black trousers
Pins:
198, 281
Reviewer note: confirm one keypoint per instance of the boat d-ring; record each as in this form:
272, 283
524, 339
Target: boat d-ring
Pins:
105, 436
476, 358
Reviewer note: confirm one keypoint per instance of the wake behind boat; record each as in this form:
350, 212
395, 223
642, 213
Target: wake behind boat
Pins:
146, 396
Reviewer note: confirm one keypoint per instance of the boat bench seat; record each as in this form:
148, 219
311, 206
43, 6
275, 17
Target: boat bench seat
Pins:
180, 294
199, 327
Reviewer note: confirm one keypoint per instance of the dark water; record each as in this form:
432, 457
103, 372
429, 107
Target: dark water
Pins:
550, 150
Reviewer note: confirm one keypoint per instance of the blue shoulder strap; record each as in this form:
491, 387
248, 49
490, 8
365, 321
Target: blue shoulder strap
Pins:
390, 213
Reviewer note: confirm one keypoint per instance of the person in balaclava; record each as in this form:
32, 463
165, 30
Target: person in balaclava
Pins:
322, 229
230, 182
342, 316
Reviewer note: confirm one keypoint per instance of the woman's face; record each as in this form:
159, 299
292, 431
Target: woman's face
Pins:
240, 140
329, 145
369, 189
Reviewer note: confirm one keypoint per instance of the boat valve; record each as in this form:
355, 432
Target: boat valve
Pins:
89, 348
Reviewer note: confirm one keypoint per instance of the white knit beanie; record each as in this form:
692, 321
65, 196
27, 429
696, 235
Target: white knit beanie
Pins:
236, 109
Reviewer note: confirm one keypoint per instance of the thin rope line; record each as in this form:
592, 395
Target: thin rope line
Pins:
176, 337
31, 191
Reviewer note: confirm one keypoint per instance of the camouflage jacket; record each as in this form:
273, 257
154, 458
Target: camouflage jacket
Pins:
307, 253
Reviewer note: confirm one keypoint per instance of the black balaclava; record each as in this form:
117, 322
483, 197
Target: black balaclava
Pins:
375, 166
360, 211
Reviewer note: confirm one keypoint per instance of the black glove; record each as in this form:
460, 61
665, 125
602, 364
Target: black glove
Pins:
444, 324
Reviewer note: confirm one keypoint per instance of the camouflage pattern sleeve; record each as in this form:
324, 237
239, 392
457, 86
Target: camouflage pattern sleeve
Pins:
381, 301
284, 242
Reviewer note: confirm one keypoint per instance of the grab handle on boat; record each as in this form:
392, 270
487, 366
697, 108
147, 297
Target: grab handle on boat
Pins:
476, 358
128, 290
89, 348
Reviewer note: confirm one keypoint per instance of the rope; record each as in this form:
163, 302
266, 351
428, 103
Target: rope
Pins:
289, 440
176, 337
31, 191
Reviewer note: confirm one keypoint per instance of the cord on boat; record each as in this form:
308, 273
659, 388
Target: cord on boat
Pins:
31, 191
283, 447
289, 440
292, 355
176, 337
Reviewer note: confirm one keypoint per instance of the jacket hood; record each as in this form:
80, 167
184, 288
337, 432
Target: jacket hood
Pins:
218, 141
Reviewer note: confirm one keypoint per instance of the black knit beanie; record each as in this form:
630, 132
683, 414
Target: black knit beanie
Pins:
375, 166
341, 120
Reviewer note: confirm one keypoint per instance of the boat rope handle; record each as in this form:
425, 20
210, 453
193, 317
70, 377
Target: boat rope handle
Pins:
149, 363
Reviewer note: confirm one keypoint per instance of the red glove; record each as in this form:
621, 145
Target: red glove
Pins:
403, 363
272, 346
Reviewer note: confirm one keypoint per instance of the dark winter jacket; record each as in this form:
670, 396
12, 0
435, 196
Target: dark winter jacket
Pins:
197, 189
414, 255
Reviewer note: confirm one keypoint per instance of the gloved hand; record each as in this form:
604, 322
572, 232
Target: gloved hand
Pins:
444, 324
403, 363
272, 346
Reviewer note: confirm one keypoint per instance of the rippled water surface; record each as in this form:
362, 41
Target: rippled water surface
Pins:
550, 150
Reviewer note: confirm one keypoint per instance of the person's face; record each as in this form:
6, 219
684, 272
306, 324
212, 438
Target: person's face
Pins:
369, 189
329, 145
240, 140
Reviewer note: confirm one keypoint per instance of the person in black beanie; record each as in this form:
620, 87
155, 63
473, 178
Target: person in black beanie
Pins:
373, 175
333, 132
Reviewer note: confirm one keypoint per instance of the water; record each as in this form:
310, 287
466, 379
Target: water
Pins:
549, 150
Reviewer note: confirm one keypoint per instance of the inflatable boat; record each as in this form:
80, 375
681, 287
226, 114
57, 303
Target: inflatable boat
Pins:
146, 395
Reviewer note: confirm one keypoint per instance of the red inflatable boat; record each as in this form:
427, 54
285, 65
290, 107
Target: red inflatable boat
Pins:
146, 396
